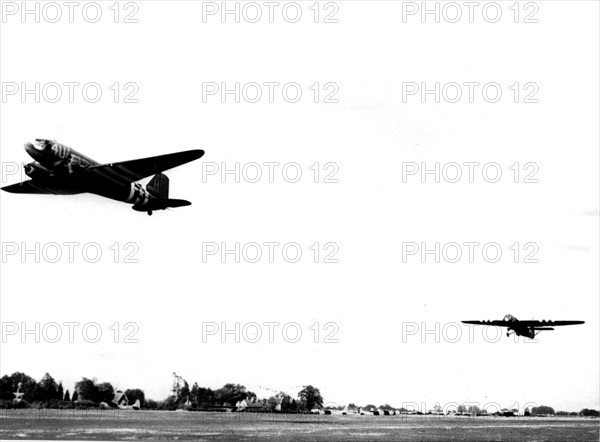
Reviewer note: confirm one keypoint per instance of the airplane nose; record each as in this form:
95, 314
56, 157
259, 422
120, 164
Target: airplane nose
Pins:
28, 147
34, 151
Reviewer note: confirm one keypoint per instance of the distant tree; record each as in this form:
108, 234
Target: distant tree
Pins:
205, 397
87, 390
151, 404
311, 398
60, 393
369, 407
67, 396
6, 391
194, 394
461, 409
170, 403
286, 400
273, 401
106, 392
589, 413
136, 394
231, 394
75, 397
286, 403
184, 393
47, 389
386, 407
177, 386
180, 388
542, 409
473, 409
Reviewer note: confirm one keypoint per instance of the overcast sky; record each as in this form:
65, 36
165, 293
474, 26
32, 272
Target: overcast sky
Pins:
371, 302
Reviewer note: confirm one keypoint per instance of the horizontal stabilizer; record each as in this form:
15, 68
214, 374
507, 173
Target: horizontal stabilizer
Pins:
160, 204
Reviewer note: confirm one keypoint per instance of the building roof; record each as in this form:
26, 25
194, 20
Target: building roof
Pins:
120, 397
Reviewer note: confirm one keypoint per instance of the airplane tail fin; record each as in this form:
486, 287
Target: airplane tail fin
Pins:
158, 186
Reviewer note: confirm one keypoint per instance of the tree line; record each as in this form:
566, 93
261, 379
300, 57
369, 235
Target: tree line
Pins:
238, 397
89, 393
47, 393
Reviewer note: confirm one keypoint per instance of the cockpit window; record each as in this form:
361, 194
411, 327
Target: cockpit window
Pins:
509, 318
42, 144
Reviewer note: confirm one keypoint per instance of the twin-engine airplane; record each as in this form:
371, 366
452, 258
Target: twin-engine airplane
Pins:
60, 170
529, 329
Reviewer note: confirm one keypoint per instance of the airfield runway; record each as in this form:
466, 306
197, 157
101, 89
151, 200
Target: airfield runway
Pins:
158, 425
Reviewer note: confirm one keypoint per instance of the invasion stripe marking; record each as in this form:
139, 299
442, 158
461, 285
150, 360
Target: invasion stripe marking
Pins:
131, 193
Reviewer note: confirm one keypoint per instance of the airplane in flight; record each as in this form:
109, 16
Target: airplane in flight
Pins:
60, 170
529, 329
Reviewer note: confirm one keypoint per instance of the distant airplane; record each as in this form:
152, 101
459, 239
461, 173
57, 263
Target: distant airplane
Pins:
136, 406
529, 329
60, 170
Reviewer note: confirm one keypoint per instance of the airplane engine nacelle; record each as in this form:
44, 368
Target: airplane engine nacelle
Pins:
36, 171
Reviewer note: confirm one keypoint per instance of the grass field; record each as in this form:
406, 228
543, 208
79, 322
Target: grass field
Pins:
148, 425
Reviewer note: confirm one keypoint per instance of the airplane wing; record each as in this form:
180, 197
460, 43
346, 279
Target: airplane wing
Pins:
531, 323
550, 323
130, 171
497, 323
29, 186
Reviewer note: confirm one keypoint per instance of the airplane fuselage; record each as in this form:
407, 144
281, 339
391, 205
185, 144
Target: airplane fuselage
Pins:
60, 170
528, 332
519, 330
58, 164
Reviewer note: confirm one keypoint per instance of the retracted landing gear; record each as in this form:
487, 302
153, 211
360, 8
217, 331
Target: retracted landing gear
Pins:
149, 212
